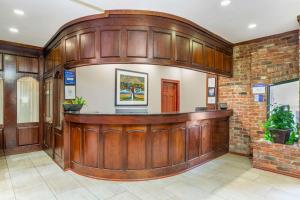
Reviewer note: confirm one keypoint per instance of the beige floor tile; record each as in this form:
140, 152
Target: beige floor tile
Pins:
76, 194
229, 177
124, 196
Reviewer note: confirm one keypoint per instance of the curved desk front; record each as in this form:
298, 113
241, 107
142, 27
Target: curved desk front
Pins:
143, 146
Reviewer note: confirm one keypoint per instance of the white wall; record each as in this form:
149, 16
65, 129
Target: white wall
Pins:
97, 85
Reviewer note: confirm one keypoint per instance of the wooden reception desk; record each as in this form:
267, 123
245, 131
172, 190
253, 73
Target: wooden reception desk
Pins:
143, 146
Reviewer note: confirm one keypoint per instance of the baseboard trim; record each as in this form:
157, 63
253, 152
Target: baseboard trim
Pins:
278, 172
240, 154
22, 149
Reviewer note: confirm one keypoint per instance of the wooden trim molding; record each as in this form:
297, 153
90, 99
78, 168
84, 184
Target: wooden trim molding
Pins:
256, 40
109, 13
138, 37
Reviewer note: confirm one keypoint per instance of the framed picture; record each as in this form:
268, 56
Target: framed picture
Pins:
70, 92
211, 82
131, 88
211, 92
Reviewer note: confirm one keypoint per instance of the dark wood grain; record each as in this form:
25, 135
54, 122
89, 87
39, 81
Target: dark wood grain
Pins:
87, 45
162, 45
28, 135
147, 149
27, 64
137, 43
139, 37
182, 49
10, 101
71, 48
110, 43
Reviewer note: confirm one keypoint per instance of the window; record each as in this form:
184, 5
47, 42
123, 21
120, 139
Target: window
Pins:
285, 93
1, 101
27, 100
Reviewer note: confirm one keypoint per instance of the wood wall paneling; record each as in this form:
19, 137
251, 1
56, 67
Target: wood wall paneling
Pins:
110, 42
27, 64
178, 144
182, 49
87, 45
28, 135
160, 146
135, 39
162, 45
1, 141
198, 56
10, 100
90, 145
102, 147
58, 145
206, 139
210, 56
136, 147
112, 142
219, 60
1, 63
71, 48
137, 43
76, 141
194, 140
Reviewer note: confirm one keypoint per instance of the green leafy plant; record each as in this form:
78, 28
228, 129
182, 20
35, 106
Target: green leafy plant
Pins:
282, 118
77, 100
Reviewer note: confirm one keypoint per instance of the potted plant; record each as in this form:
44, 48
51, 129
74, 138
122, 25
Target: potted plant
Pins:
280, 126
75, 104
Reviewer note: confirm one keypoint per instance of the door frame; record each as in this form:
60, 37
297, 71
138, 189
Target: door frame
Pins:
177, 95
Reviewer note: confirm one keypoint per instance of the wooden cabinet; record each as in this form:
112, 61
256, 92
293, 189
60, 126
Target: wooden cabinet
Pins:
139, 38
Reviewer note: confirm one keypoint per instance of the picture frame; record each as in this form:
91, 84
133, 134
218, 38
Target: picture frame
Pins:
131, 88
70, 92
211, 92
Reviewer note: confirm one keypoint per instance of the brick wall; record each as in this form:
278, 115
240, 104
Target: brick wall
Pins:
278, 158
267, 60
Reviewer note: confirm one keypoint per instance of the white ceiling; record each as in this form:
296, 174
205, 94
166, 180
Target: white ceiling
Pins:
44, 17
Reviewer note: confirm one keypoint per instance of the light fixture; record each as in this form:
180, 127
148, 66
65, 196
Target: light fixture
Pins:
252, 26
225, 3
13, 30
18, 12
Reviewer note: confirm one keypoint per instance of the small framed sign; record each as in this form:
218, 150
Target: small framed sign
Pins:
70, 92
259, 88
70, 77
211, 82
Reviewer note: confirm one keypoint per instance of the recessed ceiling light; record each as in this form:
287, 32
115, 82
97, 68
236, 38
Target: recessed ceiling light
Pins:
18, 12
251, 26
225, 3
13, 30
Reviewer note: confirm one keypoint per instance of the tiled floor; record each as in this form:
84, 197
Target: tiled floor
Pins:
35, 176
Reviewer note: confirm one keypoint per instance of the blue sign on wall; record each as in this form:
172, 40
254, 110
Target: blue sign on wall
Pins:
70, 77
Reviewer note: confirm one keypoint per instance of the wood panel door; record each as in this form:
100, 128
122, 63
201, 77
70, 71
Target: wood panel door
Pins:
170, 95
